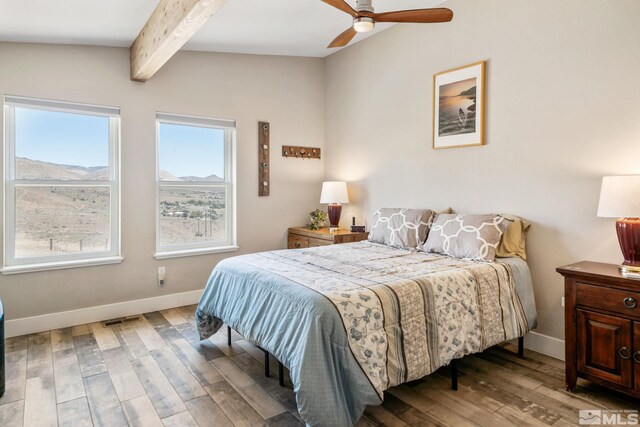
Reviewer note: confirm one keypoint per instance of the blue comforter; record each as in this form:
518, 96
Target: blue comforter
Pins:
303, 330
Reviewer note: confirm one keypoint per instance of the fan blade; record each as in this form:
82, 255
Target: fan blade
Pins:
344, 38
342, 5
416, 15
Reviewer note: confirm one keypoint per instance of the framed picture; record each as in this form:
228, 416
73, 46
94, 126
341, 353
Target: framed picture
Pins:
458, 107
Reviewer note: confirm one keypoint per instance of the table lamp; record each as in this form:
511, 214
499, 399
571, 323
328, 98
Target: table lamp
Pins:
620, 198
334, 193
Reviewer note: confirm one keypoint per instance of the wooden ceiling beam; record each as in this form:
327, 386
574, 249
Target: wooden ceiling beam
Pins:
169, 27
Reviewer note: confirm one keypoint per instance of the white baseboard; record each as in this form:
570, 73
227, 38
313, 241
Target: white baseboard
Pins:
64, 319
545, 344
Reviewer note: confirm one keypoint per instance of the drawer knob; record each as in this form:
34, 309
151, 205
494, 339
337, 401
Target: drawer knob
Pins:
625, 353
630, 302
636, 356
297, 244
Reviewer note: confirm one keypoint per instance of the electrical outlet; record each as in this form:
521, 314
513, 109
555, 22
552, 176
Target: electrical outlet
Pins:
562, 301
162, 275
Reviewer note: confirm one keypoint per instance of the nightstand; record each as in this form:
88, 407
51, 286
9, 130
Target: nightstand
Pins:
302, 237
602, 326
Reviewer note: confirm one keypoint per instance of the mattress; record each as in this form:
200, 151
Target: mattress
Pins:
351, 320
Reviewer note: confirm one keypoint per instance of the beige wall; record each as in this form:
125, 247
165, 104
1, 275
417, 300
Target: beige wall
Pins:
563, 110
288, 92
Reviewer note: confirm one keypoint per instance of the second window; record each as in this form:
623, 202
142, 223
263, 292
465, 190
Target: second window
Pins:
195, 192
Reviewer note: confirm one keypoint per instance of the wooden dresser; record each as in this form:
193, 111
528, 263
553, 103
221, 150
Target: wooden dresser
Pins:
302, 237
602, 326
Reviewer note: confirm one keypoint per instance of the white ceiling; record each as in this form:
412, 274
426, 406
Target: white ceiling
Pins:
272, 27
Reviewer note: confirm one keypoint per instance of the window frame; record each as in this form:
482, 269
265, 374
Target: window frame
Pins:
11, 263
229, 183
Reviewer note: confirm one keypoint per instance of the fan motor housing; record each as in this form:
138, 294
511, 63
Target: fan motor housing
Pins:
364, 6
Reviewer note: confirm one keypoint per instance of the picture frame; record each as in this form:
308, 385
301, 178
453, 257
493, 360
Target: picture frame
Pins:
459, 107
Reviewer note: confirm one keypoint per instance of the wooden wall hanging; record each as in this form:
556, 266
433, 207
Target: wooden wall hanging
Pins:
300, 152
263, 159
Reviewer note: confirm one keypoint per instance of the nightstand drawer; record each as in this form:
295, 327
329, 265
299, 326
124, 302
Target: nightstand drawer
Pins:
616, 300
319, 242
297, 242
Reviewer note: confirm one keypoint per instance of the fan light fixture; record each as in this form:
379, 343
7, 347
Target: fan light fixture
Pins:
363, 25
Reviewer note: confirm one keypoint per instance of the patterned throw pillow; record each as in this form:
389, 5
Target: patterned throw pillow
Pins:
402, 228
466, 236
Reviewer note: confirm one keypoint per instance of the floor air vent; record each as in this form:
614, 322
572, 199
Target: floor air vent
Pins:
120, 320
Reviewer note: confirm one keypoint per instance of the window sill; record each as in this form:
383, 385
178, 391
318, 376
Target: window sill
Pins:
46, 266
194, 252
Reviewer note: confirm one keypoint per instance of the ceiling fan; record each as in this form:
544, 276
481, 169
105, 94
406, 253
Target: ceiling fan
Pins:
364, 19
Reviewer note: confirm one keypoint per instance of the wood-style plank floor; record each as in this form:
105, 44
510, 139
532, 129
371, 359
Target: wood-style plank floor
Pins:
155, 372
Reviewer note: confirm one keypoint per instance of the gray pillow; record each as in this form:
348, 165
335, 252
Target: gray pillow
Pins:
402, 228
466, 236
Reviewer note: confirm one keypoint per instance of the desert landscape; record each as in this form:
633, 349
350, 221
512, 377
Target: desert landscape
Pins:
190, 215
55, 219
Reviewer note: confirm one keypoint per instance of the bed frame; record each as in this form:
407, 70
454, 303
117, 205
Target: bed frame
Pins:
453, 365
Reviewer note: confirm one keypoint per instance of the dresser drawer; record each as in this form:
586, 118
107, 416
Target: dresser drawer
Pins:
319, 242
297, 242
619, 301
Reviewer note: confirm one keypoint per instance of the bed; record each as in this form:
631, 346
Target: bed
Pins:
352, 320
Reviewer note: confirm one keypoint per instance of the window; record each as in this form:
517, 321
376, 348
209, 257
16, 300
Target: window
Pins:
61, 199
195, 185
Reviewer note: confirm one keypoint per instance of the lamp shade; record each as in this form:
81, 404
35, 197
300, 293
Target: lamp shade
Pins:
334, 192
620, 197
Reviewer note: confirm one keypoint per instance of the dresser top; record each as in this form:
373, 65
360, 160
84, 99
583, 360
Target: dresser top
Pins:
323, 232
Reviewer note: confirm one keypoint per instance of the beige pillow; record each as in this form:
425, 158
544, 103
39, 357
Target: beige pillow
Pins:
514, 238
466, 236
402, 228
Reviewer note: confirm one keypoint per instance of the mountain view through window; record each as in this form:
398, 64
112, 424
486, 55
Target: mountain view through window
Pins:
62, 189
192, 186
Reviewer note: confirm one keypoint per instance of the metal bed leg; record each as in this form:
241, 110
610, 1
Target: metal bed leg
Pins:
280, 374
266, 363
454, 374
521, 346
228, 335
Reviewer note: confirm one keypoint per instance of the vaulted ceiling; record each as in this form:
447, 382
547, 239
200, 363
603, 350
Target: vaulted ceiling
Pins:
271, 27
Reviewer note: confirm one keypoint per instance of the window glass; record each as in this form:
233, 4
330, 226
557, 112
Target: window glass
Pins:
191, 153
189, 215
55, 145
62, 220
194, 185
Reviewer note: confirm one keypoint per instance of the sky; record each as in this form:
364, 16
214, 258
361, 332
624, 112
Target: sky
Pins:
63, 138
82, 140
455, 88
191, 151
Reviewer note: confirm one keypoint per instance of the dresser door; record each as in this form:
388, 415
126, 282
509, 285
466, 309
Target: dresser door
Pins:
605, 347
636, 355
